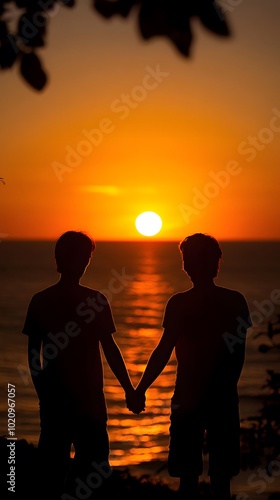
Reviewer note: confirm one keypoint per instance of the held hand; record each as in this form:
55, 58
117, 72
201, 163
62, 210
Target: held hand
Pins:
135, 401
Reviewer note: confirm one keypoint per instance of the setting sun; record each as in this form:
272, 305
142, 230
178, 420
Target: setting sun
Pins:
148, 223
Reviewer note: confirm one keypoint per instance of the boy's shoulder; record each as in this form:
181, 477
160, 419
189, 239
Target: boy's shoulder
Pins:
80, 294
228, 291
55, 291
225, 293
179, 297
231, 295
42, 294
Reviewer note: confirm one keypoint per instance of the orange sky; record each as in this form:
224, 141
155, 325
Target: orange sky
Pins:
126, 126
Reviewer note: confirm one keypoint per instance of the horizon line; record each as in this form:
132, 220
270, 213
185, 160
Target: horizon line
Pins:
148, 240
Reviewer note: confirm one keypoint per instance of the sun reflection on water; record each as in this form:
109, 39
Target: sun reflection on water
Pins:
141, 438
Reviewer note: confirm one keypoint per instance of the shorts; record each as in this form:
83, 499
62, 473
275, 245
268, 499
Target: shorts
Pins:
62, 427
215, 431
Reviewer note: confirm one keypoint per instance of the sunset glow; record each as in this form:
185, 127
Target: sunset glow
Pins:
124, 124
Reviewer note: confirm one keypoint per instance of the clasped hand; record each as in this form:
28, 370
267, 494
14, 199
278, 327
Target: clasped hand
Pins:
135, 401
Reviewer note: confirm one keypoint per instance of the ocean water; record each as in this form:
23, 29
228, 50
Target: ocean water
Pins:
145, 275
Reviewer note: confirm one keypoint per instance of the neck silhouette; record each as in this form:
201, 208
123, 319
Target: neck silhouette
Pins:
202, 282
69, 280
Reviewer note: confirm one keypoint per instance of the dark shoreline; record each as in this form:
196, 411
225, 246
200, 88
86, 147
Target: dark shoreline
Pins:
24, 462
149, 480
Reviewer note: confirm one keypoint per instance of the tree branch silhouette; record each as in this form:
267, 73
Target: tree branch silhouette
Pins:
155, 18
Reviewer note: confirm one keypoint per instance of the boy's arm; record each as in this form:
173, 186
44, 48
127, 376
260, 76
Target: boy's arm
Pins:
116, 362
157, 361
244, 323
34, 363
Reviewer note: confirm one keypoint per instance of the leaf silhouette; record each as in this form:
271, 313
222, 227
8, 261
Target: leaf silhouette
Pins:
171, 19
8, 55
68, 3
160, 19
8, 47
32, 71
108, 9
32, 33
152, 21
212, 18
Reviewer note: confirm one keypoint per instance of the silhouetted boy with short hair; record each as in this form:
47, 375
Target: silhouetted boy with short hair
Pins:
205, 401
66, 324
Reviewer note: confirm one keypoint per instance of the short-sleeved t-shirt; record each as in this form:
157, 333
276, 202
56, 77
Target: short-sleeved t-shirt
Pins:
70, 324
209, 332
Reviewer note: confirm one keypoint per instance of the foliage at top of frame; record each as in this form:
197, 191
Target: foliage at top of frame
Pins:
165, 18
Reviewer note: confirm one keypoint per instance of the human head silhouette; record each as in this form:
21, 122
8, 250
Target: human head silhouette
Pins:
201, 255
73, 251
